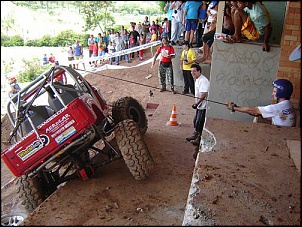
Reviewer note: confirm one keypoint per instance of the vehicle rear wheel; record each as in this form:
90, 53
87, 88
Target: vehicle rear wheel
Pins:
134, 149
32, 191
129, 108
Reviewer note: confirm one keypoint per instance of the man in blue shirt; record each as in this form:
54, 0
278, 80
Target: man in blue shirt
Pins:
190, 19
169, 16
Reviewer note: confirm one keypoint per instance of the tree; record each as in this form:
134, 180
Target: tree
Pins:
162, 5
7, 24
96, 14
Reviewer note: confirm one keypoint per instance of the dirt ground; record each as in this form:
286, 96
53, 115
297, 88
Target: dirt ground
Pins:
114, 197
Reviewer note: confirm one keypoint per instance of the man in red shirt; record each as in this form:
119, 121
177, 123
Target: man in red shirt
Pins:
165, 67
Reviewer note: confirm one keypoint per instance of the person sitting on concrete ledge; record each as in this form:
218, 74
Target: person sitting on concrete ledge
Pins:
252, 21
208, 39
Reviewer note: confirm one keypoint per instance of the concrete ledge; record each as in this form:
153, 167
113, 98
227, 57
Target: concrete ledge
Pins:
239, 173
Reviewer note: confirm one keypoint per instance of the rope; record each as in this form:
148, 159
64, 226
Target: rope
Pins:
149, 86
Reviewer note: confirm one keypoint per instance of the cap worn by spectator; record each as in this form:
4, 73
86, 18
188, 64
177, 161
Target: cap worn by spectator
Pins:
12, 80
213, 4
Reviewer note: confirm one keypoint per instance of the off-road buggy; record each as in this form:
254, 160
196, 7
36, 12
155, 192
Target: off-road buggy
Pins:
58, 120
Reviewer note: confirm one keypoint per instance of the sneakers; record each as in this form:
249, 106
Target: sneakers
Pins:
196, 142
184, 92
162, 89
193, 137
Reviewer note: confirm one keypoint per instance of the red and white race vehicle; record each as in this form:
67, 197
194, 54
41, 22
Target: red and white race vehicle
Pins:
57, 123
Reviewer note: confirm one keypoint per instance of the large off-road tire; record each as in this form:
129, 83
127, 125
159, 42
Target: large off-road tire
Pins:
32, 191
129, 108
134, 149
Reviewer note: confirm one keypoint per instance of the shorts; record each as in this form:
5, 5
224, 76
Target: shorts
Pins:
208, 38
191, 24
70, 58
102, 53
249, 30
78, 57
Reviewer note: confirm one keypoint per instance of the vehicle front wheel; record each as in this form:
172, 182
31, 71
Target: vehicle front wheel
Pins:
134, 149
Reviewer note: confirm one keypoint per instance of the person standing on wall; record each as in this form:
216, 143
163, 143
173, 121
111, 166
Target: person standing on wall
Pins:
202, 20
187, 58
202, 85
169, 16
190, 19
165, 66
176, 27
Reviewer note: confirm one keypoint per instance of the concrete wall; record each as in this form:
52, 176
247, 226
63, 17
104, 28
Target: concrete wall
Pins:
178, 77
241, 73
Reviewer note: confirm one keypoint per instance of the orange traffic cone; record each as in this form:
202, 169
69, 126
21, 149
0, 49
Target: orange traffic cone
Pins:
173, 121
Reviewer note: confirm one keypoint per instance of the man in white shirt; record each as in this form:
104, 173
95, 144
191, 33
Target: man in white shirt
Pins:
202, 85
282, 113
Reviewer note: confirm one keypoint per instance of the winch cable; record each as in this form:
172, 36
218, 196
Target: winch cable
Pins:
149, 86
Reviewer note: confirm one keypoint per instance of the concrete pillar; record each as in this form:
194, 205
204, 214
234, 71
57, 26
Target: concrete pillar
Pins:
178, 77
206, 70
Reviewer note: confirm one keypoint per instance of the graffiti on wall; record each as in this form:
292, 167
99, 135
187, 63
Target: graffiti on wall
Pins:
242, 73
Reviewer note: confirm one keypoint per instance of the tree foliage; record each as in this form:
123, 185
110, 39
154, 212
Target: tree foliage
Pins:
7, 24
32, 69
97, 14
48, 5
162, 5
15, 40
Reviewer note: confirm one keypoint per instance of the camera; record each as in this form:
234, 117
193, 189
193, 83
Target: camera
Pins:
175, 11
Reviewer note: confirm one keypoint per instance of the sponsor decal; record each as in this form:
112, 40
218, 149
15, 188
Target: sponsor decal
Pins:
65, 135
58, 124
62, 128
33, 147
